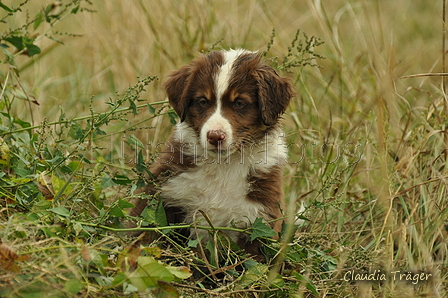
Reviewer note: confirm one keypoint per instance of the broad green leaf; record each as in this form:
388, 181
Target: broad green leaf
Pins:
154, 251
260, 229
76, 132
148, 273
254, 274
22, 123
278, 282
73, 286
193, 243
181, 272
32, 49
78, 228
118, 279
149, 215
107, 181
116, 211
17, 41
124, 204
60, 211
59, 184
99, 260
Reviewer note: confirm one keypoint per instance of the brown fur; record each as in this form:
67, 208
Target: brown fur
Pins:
253, 103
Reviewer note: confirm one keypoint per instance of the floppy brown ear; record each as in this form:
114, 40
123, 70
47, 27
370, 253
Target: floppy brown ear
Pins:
274, 94
176, 89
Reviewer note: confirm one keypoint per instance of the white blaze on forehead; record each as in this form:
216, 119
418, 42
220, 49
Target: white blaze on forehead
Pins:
216, 120
223, 76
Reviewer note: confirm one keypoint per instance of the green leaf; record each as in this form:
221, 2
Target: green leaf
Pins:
17, 41
10, 59
99, 260
193, 243
6, 7
149, 215
116, 211
312, 288
254, 274
76, 132
133, 106
60, 211
119, 279
99, 132
160, 215
122, 180
173, 117
260, 229
308, 282
107, 181
181, 272
38, 20
278, 282
59, 184
32, 49
75, 9
211, 247
124, 204
151, 109
73, 286
134, 141
140, 166
22, 123
148, 273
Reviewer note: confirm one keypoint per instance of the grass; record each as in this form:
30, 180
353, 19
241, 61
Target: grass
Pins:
368, 148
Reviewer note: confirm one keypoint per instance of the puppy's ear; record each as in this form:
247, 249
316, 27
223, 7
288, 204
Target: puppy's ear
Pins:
176, 88
274, 94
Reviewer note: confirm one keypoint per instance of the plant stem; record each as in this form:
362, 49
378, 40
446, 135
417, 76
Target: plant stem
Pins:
80, 118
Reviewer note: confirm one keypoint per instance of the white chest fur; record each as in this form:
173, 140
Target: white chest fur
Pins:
219, 190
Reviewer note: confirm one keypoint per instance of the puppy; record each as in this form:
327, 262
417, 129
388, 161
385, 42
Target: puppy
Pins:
226, 154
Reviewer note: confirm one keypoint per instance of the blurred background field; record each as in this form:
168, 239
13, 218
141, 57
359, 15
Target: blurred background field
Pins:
367, 127
122, 40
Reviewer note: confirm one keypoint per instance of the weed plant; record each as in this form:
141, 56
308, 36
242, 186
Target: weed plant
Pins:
82, 112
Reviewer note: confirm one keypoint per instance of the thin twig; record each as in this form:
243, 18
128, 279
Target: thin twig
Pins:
430, 74
443, 46
159, 229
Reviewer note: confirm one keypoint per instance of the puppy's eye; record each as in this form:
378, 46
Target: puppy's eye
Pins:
202, 101
239, 104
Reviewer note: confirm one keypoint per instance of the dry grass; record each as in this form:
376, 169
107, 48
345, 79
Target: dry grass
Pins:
369, 149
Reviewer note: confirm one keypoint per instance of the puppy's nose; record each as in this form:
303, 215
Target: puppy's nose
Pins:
215, 137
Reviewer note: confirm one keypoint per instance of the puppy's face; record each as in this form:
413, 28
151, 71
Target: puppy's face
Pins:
228, 98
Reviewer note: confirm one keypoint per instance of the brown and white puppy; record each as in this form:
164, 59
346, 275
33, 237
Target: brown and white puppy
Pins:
225, 156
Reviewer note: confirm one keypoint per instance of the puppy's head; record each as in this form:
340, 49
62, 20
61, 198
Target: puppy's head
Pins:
228, 98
